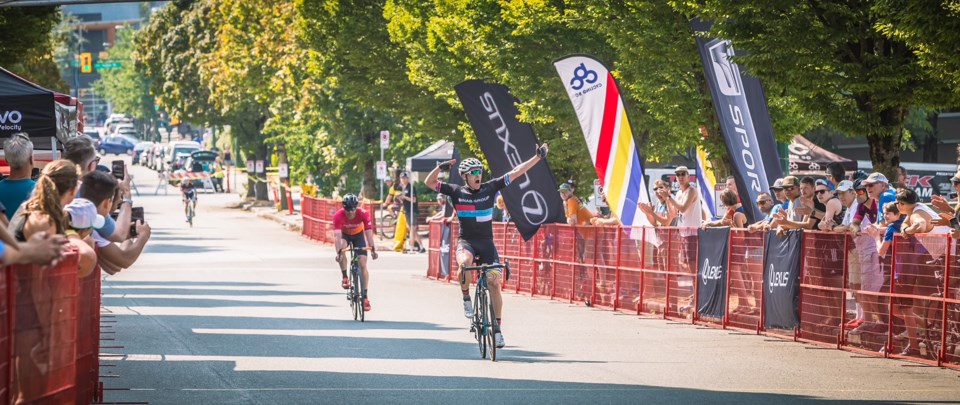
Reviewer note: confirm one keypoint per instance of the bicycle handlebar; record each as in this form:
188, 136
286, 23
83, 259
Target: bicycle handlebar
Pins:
355, 249
485, 267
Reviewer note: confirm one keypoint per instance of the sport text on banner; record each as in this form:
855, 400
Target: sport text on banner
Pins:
603, 118
532, 199
712, 259
744, 120
781, 280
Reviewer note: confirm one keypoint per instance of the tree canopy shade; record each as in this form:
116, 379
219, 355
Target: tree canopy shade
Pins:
27, 42
831, 58
931, 28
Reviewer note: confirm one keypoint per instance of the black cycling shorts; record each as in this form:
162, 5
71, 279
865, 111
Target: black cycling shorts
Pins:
483, 250
357, 241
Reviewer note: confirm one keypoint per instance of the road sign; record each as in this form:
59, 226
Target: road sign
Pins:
260, 167
283, 170
107, 65
384, 139
381, 169
250, 166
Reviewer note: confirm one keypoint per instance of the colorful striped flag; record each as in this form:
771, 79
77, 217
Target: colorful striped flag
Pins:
707, 182
602, 117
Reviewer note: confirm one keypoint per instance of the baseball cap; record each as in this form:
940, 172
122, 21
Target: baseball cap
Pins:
845, 185
83, 214
565, 187
681, 169
777, 185
875, 177
405, 174
790, 181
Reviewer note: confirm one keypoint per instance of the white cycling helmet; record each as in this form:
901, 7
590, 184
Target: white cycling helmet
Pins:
469, 164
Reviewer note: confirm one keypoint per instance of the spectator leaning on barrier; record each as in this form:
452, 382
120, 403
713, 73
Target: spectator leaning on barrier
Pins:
799, 214
948, 215
80, 151
908, 279
16, 188
834, 212
83, 219
879, 191
100, 188
864, 270
892, 223
43, 212
734, 217
42, 248
576, 213
766, 205
687, 205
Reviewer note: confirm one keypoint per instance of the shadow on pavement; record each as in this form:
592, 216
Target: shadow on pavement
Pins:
134, 301
177, 249
121, 283
192, 291
296, 387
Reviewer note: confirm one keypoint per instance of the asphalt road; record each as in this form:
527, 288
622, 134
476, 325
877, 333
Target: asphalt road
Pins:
237, 310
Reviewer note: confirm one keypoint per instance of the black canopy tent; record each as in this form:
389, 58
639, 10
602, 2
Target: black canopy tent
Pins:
429, 158
805, 156
27, 107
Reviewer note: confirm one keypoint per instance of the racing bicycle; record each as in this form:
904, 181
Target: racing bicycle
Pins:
483, 313
355, 293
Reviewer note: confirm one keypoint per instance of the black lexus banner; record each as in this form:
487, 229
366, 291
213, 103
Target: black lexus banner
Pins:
744, 120
531, 199
712, 258
781, 280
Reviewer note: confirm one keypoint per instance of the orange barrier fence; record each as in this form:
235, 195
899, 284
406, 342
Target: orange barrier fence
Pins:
49, 334
653, 272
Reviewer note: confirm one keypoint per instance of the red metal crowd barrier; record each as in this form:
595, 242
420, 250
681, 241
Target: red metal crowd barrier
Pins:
49, 334
648, 271
318, 214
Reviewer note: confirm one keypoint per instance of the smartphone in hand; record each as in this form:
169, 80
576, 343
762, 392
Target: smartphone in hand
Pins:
117, 169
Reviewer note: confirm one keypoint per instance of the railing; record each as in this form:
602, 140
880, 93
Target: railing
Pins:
318, 215
647, 271
49, 334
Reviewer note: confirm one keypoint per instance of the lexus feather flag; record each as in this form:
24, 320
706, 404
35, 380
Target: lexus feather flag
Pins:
532, 199
603, 119
744, 120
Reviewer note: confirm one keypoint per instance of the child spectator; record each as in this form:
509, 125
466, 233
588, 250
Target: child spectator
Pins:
83, 219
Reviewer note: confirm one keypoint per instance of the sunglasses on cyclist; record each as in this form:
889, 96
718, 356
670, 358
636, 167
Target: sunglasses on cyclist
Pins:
475, 172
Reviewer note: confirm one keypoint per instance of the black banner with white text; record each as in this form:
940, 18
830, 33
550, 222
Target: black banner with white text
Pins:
532, 199
744, 120
712, 260
781, 280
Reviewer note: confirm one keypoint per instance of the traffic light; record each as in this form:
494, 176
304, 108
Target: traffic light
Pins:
86, 62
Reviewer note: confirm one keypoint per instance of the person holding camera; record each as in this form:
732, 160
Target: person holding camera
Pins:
100, 188
80, 150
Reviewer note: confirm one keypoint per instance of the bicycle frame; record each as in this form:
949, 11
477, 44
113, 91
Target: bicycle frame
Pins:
355, 293
484, 313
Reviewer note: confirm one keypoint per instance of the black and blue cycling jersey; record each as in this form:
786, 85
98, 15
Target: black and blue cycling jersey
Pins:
475, 207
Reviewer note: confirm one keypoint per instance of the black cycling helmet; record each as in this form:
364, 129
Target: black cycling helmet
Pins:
469, 164
350, 202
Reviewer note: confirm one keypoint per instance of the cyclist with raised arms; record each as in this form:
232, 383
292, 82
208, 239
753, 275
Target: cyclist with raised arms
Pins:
474, 204
352, 227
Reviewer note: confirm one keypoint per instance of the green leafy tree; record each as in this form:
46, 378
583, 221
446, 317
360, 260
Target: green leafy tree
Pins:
28, 43
930, 28
830, 57
126, 88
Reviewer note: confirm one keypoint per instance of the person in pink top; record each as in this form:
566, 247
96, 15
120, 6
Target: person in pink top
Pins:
352, 227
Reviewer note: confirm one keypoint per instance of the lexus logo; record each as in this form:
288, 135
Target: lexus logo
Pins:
726, 72
534, 207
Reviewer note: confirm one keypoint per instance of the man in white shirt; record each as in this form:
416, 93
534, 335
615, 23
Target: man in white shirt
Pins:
687, 205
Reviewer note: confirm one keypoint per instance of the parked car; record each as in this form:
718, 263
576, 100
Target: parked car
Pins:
175, 148
94, 134
117, 144
139, 150
200, 161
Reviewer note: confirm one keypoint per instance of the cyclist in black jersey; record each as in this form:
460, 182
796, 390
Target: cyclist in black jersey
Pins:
474, 204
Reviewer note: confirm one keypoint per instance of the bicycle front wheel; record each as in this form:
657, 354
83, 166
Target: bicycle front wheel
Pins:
480, 321
358, 293
491, 335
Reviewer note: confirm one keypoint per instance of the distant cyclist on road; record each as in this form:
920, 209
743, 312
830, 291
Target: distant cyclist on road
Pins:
352, 227
189, 195
474, 204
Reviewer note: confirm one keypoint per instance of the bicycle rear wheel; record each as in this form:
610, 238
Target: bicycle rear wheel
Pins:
190, 214
491, 335
480, 321
360, 294
356, 301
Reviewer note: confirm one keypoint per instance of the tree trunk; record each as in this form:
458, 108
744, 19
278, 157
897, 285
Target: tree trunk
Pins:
885, 143
369, 179
282, 160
